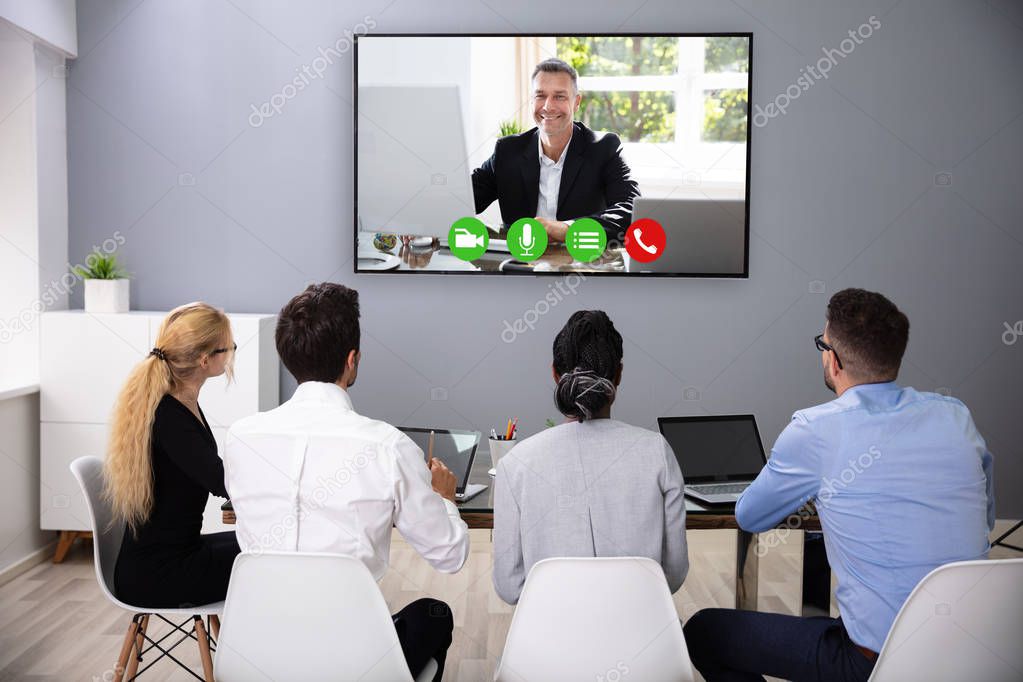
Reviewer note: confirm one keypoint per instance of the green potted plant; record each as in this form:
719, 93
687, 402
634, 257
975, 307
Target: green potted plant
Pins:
106, 283
509, 127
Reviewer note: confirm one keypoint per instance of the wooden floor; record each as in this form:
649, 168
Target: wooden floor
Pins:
56, 625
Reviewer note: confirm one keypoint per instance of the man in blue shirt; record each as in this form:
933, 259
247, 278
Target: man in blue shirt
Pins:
902, 483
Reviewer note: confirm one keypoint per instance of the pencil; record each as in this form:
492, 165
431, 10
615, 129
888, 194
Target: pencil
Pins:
507, 433
429, 454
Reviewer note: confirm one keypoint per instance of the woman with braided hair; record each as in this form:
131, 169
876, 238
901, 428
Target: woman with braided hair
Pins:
592, 486
162, 466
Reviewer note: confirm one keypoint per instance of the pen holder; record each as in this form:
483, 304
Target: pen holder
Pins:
499, 447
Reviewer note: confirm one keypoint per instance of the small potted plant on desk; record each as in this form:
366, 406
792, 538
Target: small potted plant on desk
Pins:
106, 284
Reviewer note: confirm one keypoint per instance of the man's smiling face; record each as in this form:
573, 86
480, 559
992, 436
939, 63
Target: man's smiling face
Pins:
555, 102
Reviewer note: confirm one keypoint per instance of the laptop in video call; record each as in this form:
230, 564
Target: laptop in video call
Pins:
719, 455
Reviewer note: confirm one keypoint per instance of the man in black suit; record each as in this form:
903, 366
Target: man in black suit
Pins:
560, 170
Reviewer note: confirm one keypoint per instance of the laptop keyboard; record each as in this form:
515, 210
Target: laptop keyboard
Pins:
719, 488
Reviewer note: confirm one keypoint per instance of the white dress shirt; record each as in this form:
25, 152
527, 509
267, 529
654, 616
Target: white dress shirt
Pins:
550, 182
315, 476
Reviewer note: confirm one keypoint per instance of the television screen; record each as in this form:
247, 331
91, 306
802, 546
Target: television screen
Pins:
553, 154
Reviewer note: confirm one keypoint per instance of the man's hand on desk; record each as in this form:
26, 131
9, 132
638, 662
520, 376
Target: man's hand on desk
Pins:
556, 229
443, 480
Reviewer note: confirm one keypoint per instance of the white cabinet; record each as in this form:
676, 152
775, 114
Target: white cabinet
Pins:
85, 359
61, 504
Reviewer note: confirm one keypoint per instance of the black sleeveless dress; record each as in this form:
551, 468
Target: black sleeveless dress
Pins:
168, 564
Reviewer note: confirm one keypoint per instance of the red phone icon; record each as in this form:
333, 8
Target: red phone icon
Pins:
645, 240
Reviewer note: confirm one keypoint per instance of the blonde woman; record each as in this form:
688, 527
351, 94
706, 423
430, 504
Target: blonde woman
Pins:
163, 465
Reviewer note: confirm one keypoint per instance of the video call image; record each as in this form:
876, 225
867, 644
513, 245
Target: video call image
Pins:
611, 154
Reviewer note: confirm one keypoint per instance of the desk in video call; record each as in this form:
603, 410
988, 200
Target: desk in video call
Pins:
555, 259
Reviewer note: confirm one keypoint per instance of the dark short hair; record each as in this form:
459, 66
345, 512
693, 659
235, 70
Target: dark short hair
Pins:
587, 357
554, 65
317, 330
868, 332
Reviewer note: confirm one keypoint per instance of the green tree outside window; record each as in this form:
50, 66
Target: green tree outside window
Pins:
650, 116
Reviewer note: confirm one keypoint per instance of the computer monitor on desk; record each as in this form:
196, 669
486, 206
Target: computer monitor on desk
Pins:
411, 183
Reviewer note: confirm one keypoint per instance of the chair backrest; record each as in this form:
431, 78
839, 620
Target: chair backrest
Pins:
963, 621
306, 616
106, 537
595, 619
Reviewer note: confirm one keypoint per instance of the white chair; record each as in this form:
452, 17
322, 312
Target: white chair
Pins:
603, 619
963, 621
106, 545
305, 616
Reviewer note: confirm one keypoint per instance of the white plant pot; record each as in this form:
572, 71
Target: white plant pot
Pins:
106, 295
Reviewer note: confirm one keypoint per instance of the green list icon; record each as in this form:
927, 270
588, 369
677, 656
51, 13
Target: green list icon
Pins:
585, 240
527, 240
468, 238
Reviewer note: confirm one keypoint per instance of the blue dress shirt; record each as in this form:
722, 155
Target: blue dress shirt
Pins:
902, 482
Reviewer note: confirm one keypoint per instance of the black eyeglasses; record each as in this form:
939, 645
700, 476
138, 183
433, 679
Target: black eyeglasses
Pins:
234, 347
822, 345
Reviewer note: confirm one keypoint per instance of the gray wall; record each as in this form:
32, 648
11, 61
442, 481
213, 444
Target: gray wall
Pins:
20, 536
845, 192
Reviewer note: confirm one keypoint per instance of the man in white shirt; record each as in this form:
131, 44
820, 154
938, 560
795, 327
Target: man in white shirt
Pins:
313, 475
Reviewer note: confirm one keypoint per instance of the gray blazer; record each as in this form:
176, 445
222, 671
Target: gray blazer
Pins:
596, 488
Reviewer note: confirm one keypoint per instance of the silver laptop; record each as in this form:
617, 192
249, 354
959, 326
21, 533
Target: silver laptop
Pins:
457, 449
719, 455
702, 236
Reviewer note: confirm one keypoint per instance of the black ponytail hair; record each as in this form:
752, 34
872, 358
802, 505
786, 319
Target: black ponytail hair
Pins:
587, 360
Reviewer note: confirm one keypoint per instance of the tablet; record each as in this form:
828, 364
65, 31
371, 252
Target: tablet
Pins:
457, 449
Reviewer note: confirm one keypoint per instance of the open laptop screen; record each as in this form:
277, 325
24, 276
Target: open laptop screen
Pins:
719, 448
455, 448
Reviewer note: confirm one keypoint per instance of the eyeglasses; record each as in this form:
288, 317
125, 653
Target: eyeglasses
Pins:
234, 347
822, 345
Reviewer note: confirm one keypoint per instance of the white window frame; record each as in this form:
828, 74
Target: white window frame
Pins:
719, 167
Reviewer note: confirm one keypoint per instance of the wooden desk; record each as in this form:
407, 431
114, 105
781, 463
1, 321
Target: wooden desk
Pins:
816, 585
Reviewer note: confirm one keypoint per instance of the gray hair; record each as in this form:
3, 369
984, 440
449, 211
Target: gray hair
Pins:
582, 393
554, 65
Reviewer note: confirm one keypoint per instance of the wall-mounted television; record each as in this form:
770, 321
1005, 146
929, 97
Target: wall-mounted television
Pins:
603, 154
